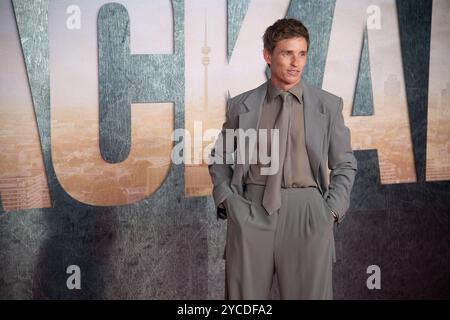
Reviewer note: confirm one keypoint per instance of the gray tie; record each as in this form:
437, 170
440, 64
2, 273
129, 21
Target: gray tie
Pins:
272, 192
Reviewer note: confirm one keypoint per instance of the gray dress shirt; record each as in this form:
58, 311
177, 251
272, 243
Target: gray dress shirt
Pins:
296, 168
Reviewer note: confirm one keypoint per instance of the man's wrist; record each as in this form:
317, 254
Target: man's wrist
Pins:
335, 215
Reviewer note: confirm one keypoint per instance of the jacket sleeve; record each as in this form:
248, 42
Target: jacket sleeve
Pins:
342, 164
221, 161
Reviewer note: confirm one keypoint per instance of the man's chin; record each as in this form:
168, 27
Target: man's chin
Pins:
291, 81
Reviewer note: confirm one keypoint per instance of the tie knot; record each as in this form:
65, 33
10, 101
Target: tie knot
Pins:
284, 96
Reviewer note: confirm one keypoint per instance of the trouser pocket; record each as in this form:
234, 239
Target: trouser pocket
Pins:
326, 210
238, 208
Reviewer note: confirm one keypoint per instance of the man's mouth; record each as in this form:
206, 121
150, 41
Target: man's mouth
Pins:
293, 72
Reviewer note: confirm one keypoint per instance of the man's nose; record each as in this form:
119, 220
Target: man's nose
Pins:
295, 61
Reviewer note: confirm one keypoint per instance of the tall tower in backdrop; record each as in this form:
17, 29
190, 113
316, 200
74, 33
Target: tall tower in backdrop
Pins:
205, 61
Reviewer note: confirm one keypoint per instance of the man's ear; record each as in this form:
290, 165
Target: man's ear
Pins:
267, 56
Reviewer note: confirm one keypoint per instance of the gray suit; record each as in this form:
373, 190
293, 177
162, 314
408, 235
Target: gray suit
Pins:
327, 143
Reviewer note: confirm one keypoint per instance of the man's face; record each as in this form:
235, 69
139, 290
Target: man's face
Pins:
287, 62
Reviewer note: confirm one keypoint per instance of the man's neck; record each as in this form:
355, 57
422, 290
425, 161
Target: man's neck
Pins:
284, 87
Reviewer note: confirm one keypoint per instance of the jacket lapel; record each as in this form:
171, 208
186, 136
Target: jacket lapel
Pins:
253, 104
315, 122
249, 119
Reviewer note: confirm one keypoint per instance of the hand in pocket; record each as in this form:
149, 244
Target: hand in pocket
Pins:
237, 207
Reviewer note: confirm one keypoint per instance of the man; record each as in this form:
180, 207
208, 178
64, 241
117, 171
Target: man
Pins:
282, 222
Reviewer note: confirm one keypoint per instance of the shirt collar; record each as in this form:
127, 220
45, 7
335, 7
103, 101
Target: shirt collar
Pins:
297, 91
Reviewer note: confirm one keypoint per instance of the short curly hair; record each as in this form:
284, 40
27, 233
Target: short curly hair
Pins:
284, 29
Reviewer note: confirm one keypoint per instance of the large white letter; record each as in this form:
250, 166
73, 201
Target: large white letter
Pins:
388, 129
438, 137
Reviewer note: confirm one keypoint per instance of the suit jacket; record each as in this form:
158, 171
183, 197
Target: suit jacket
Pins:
327, 143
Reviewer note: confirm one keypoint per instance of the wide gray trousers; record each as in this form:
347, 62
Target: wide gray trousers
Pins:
296, 244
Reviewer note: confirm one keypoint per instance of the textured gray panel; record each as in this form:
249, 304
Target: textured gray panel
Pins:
114, 82
415, 44
317, 16
126, 79
411, 247
363, 102
236, 11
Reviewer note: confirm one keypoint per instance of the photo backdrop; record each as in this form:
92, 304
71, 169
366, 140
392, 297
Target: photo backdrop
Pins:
97, 98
